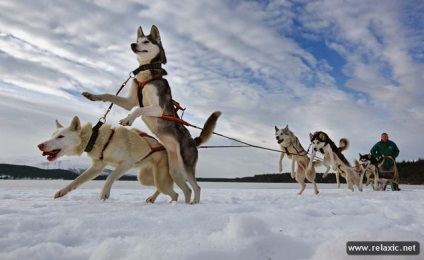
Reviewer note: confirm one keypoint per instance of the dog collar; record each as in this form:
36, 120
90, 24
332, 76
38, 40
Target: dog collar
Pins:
152, 66
93, 137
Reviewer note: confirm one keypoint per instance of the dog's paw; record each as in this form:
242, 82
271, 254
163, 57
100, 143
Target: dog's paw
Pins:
104, 195
60, 194
128, 121
150, 199
90, 96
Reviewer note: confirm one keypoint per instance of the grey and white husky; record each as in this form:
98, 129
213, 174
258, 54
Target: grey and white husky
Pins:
151, 94
291, 146
333, 157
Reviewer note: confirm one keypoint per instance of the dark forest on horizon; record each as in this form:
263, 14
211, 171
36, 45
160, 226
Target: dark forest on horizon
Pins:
411, 172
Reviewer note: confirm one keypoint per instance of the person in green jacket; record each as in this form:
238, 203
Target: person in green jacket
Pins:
386, 148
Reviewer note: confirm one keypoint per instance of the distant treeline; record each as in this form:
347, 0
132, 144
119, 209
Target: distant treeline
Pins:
410, 173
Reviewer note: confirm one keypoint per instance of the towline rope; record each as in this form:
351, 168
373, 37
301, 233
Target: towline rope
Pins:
174, 118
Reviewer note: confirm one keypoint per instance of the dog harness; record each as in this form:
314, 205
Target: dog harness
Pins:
176, 105
107, 143
152, 149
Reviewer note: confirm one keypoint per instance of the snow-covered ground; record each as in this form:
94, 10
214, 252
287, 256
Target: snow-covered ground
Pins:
233, 221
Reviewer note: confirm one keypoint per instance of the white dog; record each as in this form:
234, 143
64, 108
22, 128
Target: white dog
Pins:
119, 147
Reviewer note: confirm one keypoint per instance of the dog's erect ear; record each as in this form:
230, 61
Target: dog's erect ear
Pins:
154, 32
311, 136
322, 136
75, 124
276, 128
58, 125
139, 33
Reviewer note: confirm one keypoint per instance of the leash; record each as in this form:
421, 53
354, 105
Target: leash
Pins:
102, 120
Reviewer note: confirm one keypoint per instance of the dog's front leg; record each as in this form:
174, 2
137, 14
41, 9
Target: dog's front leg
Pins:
122, 168
92, 172
361, 179
125, 102
332, 161
153, 111
368, 175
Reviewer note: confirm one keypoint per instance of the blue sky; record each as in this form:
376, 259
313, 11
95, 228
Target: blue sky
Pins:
351, 68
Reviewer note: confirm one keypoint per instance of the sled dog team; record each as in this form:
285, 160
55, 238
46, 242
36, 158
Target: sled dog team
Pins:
303, 166
173, 157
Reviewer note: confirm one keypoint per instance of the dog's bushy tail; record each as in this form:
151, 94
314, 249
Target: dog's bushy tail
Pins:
343, 144
208, 128
357, 165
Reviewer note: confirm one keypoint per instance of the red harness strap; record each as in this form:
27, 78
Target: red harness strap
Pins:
142, 84
152, 149
107, 143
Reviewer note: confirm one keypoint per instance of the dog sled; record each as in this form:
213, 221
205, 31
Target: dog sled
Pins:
383, 183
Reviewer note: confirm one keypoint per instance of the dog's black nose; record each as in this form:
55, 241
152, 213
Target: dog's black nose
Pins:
134, 46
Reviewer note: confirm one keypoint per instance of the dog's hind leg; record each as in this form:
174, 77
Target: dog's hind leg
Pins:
122, 168
176, 172
311, 178
92, 172
327, 170
162, 180
337, 178
192, 180
280, 162
310, 165
152, 198
376, 176
300, 178
293, 172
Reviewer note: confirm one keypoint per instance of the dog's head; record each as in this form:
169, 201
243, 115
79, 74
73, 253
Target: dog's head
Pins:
318, 141
148, 48
284, 136
63, 141
366, 159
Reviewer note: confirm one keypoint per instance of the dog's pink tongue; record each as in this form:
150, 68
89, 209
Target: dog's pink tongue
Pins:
51, 155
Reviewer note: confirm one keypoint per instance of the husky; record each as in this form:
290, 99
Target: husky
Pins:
151, 94
333, 157
291, 146
119, 147
369, 166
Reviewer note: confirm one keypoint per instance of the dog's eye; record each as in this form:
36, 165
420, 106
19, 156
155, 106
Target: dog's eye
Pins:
60, 136
145, 42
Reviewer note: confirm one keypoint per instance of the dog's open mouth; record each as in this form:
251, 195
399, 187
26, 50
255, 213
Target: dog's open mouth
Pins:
51, 155
280, 141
